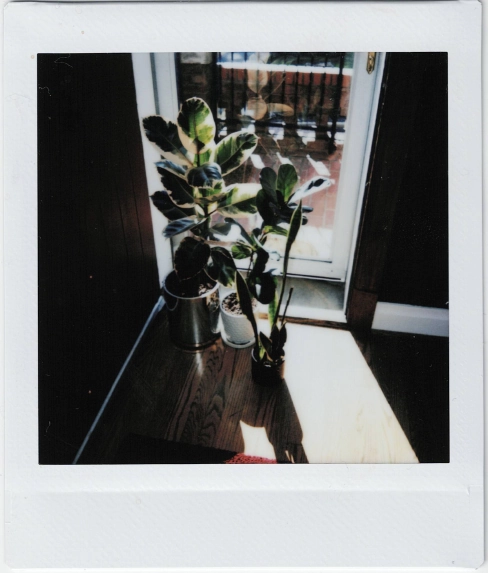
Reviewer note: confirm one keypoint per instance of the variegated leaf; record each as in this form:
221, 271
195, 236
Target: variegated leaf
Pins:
205, 156
180, 225
234, 149
207, 175
178, 189
239, 200
209, 200
251, 239
179, 170
219, 231
191, 257
165, 205
196, 125
273, 310
165, 135
241, 251
275, 230
310, 187
221, 266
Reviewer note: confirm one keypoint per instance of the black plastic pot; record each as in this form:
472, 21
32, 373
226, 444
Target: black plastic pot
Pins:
193, 321
267, 373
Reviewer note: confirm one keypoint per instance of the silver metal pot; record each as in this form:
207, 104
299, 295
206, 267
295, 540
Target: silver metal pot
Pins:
193, 322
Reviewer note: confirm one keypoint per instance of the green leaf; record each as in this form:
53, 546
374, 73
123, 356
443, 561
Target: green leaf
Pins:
239, 200
164, 134
267, 283
196, 125
221, 268
295, 224
241, 251
190, 257
282, 337
273, 310
208, 200
268, 180
287, 179
267, 345
165, 205
219, 230
310, 187
249, 238
245, 302
178, 189
179, 170
179, 226
275, 340
267, 209
205, 176
260, 262
275, 230
204, 156
234, 149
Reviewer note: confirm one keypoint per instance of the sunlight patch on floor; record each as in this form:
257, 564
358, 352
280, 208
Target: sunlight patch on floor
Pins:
344, 415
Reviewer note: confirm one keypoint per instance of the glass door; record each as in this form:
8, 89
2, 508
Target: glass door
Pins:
312, 109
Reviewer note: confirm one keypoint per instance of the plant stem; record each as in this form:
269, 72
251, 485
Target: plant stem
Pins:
206, 223
250, 264
282, 292
286, 306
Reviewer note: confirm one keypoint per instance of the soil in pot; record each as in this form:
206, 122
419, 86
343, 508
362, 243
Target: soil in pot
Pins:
191, 288
231, 304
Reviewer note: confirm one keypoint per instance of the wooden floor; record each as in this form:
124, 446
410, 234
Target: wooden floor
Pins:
173, 406
158, 399
413, 373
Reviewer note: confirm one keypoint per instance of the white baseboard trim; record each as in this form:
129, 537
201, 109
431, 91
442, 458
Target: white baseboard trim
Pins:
411, 319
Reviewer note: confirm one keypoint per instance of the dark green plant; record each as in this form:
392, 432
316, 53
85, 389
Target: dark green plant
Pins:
195, 198
271, 349
276, 202
192, 170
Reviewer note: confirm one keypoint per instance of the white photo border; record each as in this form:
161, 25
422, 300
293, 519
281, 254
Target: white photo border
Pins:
244, 516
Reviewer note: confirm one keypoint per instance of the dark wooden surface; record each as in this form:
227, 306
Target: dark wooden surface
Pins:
169, 397
398, 101
98, 277
200, 399
413, 373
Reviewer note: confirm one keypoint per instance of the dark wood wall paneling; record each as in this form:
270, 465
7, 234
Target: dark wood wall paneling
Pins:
97, 268
416, 268
402, 243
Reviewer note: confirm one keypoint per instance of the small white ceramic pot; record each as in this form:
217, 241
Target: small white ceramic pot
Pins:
238, 331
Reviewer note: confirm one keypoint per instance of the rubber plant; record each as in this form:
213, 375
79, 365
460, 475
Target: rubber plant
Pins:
192, 169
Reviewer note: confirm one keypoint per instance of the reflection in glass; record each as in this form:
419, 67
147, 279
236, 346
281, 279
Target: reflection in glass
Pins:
297, 103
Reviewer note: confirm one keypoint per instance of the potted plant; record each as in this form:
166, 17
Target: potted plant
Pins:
192, 170
276, 202
268, 356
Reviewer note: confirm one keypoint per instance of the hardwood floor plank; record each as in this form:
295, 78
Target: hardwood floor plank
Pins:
330, 409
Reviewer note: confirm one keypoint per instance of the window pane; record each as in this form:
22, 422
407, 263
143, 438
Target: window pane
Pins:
297, 103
